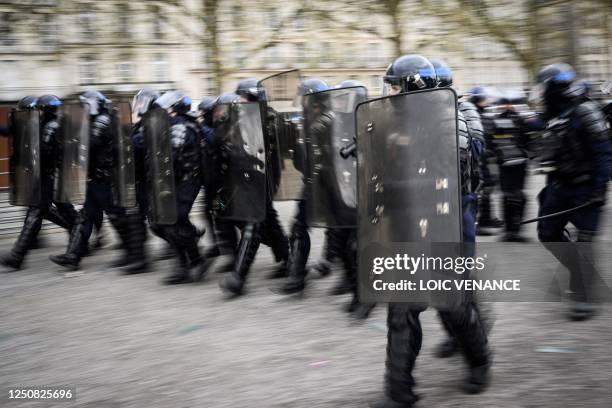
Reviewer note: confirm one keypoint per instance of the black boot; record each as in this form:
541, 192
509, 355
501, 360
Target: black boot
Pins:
470, 333
76, 244
29, 232
181, 273
514, 205
478, 379
404, 339
449, 346
122, 226
138, 261
300, 249
247, 249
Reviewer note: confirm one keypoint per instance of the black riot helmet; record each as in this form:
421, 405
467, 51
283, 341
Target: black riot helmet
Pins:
351, 83
412, 73
143, 101
554, 86
96, 101
207, 104
206, 107
313, 85
49, 104
443, 72
221, 109
248, 89
27, 102
174, 101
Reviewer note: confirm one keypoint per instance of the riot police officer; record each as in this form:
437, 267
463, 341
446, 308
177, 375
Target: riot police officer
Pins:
580, 148
182, 235
272, 233
335, 238
479, 98
509, 142
299, 240
269, 231
208, 145
406, 74
100, 178
62, 214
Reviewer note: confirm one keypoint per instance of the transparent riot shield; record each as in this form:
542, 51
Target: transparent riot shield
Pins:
72, 181
160, 169
25, 158
282, 115
408, 169
125, 176
242, 186
329, 126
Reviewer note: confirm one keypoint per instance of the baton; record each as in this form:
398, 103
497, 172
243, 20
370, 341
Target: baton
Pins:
348, 150
553, 215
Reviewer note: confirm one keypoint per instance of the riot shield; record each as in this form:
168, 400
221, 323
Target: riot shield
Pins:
160, 168
329, 126
25, 158
282, 116
72, 180
125, 176
242, 187
408, 169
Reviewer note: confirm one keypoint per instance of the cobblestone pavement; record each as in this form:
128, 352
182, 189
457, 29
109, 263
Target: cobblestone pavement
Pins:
128, 341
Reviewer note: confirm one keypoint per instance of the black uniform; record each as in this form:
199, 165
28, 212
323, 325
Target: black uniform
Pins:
99, 197
62, 214
183, 235
509, 143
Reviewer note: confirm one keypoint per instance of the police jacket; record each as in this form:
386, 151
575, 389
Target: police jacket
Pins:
580, 145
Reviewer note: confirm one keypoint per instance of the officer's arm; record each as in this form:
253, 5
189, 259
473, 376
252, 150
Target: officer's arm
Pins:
99, 131
598, 134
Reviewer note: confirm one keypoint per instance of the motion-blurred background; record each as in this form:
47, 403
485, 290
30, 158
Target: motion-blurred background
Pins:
205, 47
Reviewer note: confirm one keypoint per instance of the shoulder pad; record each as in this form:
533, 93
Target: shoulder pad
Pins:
592, 118
102, 119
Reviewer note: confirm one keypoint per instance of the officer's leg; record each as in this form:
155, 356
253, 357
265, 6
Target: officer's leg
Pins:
247, 249
551, 234
449, 346
62, 215
226, 237
512, 180
332, 250
583, 272
485, 213
357, 309
466, 324
300, 249
341, 246
29, 231
185, 236
404, 338
79, 236
274, 236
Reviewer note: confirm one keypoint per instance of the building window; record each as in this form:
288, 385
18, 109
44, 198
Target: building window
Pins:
272, 56
123, 21
299, 23
238, 54
87, 21
48, 31
159, 24
300, 54
325, 53
160, 68
87, 70
373, 54
7, 36
125, 69
237, 17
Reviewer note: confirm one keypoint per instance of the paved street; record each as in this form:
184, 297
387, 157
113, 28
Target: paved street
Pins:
128, 341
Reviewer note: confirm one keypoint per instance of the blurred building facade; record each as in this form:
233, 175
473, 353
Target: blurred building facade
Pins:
65, 46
